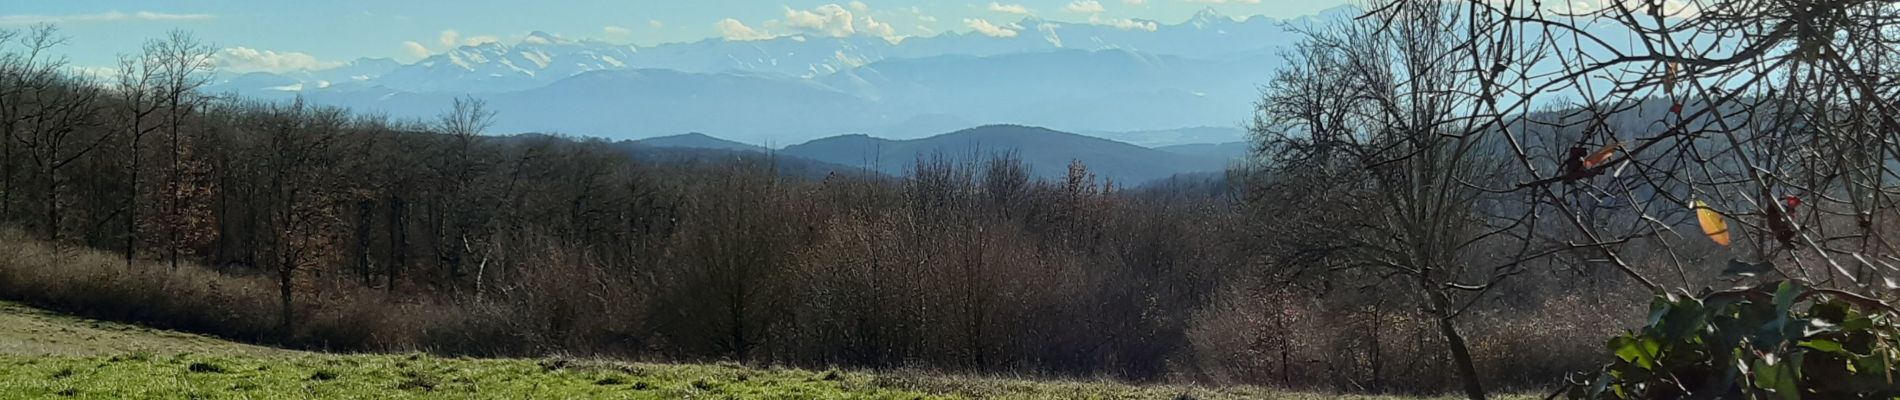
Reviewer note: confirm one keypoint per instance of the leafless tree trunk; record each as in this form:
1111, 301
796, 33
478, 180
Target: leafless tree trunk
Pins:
185, 66
139, 86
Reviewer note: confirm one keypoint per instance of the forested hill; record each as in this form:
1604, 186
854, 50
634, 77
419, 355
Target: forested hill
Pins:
1047, 153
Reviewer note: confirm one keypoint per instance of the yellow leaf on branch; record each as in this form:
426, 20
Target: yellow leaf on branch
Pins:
1712, 222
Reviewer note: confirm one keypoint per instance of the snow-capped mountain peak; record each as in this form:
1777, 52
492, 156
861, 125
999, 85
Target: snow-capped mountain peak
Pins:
540, 58
537, 59
1208, 17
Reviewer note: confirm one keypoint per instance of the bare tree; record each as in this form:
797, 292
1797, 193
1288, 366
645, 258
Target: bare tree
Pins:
463, 159
184, 66
301, 193
1770, 124
1777, 115
138, 88
56, 114
1368, 120
29, 73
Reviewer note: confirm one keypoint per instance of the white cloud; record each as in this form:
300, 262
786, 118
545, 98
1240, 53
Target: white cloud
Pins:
732, 29
829, 20
480, 40
617, 31
1017, 9
1675, 8
1223, 1
109, 16
1084, 7
156, 16
919, 12
879, 29
245, 59
1135, 2
94, 71
448, 38
416, 50
838, 21
988, 29
1126, 24
656, 24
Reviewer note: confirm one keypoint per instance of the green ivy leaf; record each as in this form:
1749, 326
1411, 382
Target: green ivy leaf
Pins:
1785, 294
1640, 351
1782, 378
1856, 323
1763, 342
1678, 320
1825, 346
1780, 325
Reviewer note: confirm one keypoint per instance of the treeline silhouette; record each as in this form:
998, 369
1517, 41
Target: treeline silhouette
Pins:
139, 197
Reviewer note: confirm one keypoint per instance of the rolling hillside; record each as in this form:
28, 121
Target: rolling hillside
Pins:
696, 140
701, 149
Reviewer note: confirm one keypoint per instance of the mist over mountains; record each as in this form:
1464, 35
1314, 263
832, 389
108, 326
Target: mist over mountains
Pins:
1142, 82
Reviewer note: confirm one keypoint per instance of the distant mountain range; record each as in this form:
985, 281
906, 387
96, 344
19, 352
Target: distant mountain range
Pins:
1217, 151
1138, 77
1047, 153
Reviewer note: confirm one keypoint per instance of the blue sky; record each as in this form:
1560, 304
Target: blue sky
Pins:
283, 35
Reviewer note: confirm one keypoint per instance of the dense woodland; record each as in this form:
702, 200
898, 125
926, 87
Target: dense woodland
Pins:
1324, 263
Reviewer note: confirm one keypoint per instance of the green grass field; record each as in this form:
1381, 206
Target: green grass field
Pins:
46, 355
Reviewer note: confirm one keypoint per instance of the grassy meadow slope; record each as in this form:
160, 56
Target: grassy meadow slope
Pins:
45, 354
48, 355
